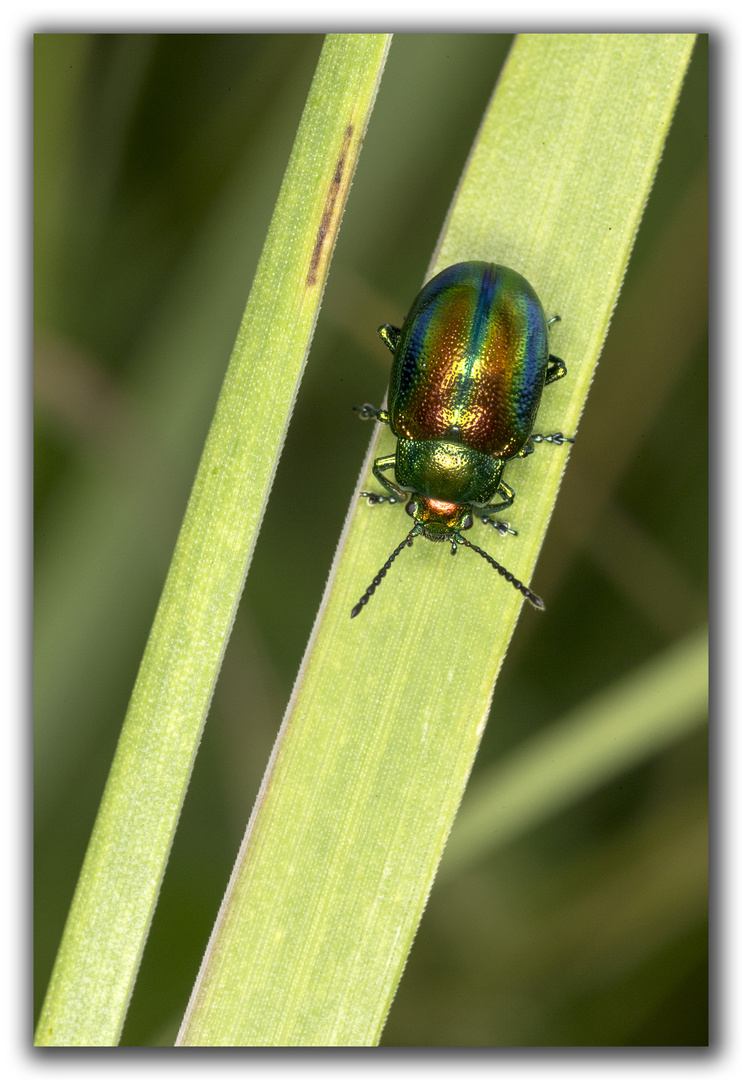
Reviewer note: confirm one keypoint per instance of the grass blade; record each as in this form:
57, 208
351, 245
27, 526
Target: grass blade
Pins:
117, 891
387, 712
640, 715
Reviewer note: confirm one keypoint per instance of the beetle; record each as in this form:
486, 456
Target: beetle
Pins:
470, 364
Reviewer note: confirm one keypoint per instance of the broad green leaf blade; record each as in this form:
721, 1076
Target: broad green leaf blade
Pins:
117, 891
639, 716
388, 710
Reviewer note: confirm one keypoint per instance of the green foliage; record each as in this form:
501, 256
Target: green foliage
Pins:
118, 887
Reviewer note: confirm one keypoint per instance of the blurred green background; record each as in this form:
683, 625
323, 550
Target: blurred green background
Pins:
157, 162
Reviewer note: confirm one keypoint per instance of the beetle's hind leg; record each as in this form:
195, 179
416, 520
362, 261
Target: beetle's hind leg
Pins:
507, 495
382, 465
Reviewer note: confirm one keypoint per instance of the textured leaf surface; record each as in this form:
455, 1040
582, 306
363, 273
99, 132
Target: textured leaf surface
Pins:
388, 710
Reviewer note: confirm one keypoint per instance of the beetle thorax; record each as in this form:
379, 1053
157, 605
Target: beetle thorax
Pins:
447, 472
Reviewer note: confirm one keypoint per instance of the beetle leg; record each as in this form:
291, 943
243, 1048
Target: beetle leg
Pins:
368, 412
555, 369
507, 494
500, 526
384, 463
556, 439
389, 335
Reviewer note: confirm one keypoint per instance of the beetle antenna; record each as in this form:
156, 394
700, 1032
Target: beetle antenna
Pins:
535, 600
382, 573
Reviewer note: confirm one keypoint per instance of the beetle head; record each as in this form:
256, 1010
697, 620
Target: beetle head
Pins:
438, 520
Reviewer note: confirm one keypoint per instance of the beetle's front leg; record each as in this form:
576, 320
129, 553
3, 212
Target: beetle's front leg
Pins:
382, 465
507, 495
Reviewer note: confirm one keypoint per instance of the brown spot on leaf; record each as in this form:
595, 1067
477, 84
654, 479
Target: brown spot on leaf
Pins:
328, 223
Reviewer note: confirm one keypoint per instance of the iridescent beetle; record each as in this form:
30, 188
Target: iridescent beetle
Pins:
470, 364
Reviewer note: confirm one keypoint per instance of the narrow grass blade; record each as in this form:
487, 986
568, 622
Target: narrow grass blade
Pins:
117, 891
388, 709
627, 723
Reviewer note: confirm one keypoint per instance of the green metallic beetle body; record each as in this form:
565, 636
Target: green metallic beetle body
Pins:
470, 365
471, 360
